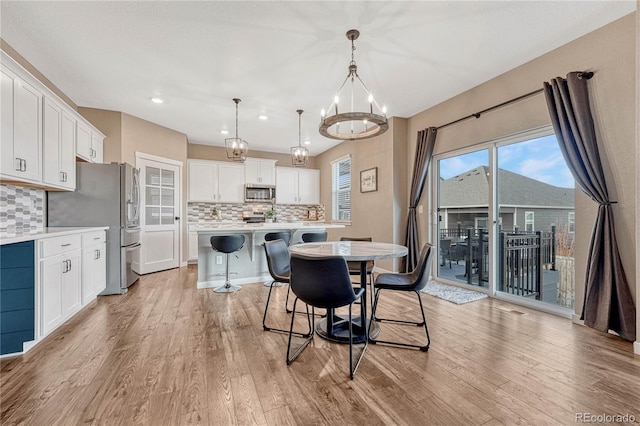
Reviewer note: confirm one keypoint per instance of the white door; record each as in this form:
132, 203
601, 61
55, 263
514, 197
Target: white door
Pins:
160, 220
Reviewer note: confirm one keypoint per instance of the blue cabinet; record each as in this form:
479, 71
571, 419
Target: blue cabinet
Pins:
17, 303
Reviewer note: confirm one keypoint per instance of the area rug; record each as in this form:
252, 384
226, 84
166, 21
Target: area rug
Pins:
452, 293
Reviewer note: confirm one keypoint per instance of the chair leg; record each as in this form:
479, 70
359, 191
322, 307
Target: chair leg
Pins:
423, 348
352, 367
264, 317
309, 336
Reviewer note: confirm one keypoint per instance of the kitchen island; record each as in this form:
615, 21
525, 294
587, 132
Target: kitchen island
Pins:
249, 264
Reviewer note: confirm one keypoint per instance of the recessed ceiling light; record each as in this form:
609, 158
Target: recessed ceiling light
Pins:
263, 117
307, 142
224, 132
157, 100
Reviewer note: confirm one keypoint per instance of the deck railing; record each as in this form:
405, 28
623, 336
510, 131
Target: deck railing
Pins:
522, 256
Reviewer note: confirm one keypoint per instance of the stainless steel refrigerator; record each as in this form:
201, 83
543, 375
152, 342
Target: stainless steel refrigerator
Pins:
105, 195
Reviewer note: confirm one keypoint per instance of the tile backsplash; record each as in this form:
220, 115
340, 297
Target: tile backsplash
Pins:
201, 212
21, 208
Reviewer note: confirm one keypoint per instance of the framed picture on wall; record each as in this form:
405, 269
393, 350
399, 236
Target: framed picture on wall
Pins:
369, 180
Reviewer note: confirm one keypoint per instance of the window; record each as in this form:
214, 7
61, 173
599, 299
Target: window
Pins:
528, 222
572, 222
341, 189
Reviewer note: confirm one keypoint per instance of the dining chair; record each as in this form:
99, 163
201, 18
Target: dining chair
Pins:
407, 282
314, 237
273, 236
277, 255
354, 267
323, 282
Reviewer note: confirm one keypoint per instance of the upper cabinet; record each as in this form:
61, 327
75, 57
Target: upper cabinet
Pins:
21, 144
215, 181
39, 132
260, 171
90, 144
297, 186
59, 144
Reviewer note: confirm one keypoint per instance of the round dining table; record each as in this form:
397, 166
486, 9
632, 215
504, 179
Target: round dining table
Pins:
335, 327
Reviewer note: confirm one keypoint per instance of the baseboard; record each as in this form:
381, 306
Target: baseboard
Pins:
575, 318
234, 281
183, 264
636, 347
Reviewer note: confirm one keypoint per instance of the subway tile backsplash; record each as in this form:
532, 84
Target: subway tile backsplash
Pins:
21, 208
201, 212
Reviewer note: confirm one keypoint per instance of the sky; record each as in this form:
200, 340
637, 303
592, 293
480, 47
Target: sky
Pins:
538, 159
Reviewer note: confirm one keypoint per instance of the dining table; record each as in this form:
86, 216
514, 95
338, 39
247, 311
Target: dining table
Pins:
335, 327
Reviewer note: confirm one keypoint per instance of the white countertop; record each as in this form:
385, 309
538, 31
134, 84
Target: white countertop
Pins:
258, 227
28, 235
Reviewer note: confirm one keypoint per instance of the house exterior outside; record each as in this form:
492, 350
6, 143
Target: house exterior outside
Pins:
526, 204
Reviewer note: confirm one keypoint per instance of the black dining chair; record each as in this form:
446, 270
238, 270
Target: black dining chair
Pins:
323, 283
409, 282
314, 237
354, 267
273, 236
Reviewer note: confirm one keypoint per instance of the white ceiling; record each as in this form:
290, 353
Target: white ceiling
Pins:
282, 56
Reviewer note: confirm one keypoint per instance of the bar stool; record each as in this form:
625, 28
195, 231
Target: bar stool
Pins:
314, 237
272, 236
227, 244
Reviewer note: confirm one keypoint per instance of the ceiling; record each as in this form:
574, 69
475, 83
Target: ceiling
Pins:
282, 56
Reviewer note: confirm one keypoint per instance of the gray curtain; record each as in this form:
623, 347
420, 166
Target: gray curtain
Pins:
424, 152
608, 304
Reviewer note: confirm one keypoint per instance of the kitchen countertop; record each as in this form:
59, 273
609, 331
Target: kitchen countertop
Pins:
28, 235
258, 227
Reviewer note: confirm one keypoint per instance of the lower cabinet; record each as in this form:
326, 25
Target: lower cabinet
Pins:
60, 278
94, 264
193, 246
72, 271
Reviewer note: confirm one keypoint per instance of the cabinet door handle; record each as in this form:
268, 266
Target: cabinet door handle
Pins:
97, 254
24, 162
96, 238
69, 264
65, 176
65, 245
61, 176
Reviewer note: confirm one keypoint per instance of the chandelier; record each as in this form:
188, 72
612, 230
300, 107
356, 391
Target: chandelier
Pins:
299, 154
236, 148
354, 124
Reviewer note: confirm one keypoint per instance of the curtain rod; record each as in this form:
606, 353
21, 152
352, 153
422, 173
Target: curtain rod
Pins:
585, 74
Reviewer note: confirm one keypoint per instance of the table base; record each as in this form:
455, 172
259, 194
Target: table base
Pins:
341, 329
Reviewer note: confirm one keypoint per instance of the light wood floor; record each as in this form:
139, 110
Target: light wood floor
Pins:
167, 353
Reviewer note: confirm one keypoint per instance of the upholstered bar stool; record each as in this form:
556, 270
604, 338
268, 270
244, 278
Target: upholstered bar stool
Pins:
272, 236
227, 244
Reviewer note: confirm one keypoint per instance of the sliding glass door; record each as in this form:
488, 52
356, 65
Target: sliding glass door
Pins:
505, 219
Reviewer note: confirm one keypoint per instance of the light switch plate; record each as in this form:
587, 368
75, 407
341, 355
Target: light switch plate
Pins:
218, 260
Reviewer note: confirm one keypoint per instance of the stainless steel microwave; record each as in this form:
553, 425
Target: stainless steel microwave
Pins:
259, 193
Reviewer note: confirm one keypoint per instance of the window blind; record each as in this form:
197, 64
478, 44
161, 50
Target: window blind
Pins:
341, 189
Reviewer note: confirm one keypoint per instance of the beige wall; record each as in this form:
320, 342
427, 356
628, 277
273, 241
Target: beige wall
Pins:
37, 74
217, 153
373, 214
637, 343
610, 52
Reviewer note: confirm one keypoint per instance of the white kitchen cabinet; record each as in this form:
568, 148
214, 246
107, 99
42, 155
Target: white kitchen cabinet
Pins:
260, 171
21, 117
215, 181
94, 266
59, 142
60, 281
90, 144
297, 186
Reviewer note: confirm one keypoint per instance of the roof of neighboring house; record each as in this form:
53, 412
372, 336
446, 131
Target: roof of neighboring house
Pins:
471, 188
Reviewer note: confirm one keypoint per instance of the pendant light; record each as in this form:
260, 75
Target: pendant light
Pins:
299, 154
353, 124
236, 148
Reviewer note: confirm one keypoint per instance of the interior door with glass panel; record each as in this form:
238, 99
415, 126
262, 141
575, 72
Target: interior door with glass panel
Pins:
463, 231
160, 219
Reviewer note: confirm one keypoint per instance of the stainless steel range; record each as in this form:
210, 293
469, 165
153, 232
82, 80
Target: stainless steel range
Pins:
105, 195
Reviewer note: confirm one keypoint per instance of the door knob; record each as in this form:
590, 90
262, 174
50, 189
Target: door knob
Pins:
177, 218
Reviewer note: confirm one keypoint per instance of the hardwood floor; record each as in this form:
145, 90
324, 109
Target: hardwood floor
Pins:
167, 353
